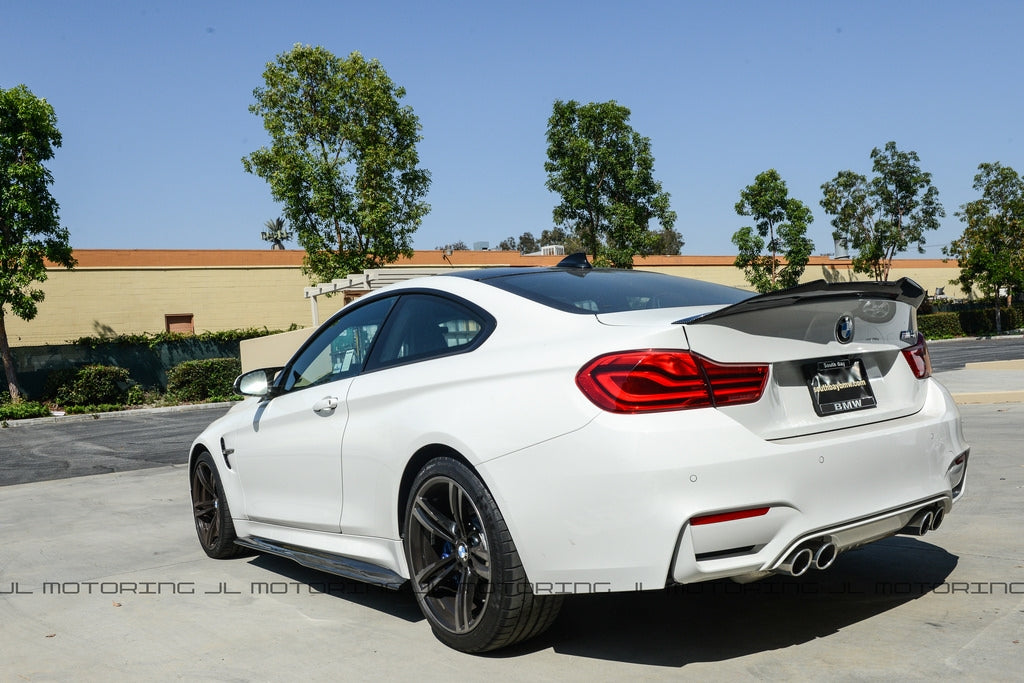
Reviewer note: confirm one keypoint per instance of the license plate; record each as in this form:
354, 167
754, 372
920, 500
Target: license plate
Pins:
839, 385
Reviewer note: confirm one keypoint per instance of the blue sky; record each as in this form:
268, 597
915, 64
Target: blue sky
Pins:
152, 101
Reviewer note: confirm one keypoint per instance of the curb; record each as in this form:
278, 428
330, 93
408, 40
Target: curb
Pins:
54, 419
977, 397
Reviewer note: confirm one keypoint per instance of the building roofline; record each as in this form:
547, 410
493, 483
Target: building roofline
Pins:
291, 258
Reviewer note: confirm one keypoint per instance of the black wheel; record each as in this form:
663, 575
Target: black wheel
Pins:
210, 509
465, 571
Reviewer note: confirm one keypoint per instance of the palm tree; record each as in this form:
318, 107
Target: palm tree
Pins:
275, 233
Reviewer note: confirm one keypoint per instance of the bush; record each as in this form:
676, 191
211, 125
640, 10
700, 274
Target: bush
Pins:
22, 410
89, 385
982, 321
204, 380
940, 325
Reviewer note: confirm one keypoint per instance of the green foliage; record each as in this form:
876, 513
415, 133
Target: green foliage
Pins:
982, 321
939, 325
275, 233
883, 216
782, 221
97, 408
135, 396
603, 171
203, 380
458, 245
342, 159
22, 410
155, 340
88, 386
30, 229
668, 242
990, 252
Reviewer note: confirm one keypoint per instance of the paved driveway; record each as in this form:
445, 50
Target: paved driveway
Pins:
101, 578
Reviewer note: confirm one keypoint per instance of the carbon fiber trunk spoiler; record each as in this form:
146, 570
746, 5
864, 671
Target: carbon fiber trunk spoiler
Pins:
820, 291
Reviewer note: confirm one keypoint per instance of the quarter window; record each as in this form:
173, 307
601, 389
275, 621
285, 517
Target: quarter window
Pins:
425, 326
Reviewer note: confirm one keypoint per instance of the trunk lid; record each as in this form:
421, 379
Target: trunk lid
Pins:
835, 351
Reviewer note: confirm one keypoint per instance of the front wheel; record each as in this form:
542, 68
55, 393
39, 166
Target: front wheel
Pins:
465, 570
210, 510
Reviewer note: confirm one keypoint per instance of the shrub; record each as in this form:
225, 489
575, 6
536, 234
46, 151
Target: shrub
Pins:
89, 385
980, 321
203, 380
940, 325
22, 410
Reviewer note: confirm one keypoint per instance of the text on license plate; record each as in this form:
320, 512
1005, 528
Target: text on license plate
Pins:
839, 385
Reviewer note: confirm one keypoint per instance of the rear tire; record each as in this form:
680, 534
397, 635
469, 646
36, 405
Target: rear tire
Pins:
465, 571
210, 510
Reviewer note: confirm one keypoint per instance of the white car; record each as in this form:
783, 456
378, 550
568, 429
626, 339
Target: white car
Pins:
502, 437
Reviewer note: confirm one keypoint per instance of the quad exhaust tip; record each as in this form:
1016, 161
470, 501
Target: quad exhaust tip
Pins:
798, 562
825, 555
818, 555
925, 521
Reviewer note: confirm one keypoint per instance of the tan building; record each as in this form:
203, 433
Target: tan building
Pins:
147, 291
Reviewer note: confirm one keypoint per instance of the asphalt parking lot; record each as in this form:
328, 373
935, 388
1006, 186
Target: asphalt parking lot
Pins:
101, 578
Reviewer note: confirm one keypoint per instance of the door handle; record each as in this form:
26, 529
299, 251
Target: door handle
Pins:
326, 405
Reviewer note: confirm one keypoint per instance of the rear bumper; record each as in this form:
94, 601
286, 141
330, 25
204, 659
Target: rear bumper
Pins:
609, 507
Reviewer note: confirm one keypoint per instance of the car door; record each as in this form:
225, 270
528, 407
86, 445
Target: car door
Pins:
401, 398
289, 458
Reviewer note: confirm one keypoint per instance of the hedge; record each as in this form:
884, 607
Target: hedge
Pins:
972, 323
89, 385
204, 380
940, 325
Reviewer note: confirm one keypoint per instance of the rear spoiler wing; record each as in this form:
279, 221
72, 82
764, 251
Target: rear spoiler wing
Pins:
904, 289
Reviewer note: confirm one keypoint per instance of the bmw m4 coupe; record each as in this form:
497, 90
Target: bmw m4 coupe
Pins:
502, 437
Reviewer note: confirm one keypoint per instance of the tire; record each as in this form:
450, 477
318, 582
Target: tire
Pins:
464, 568
210, 510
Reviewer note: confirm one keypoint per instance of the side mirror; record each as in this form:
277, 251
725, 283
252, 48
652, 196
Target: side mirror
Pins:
257, 382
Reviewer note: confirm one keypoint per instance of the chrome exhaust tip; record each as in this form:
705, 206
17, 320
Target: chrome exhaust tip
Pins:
919, 524
825, 555
937, 517
798, 562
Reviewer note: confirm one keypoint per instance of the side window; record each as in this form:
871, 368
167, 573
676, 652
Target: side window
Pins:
425, 326
340, 350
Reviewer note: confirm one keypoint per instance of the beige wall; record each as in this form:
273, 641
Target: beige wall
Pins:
130, 292
90, 302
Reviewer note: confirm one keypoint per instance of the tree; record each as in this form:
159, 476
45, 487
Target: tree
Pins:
342, 159
30, 229
603, 171
782, 221
458, 245
556, 235
526, 244
884, 216
990, 252
275, 233
669, 243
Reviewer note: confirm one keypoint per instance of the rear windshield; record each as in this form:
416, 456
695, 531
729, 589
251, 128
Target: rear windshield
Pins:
613, 291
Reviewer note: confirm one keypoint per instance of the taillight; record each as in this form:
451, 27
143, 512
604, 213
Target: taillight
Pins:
918, 359
659, 380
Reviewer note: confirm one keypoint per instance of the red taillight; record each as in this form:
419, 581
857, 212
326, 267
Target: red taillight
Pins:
918, 358
658, 380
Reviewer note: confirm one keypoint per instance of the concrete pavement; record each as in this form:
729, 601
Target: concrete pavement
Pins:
101, 578
990, 382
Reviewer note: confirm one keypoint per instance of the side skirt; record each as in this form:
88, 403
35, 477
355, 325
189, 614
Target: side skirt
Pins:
326, 562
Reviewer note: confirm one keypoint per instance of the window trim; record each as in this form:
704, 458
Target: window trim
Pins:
371, 364
282, 377
487, 325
